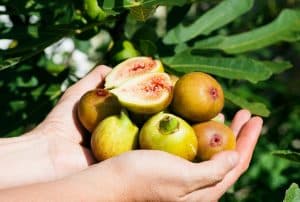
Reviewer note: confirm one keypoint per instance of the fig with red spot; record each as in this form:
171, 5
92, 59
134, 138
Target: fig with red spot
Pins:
95, 105
213, 137
197, 97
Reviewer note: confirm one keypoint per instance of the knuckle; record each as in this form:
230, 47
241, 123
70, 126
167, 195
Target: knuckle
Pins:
102, 69
218, 174
245, 167
218, 177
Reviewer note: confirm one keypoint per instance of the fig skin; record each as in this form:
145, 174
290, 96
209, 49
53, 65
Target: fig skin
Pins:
95, 105
174, 136
197, 97
113, 136
213, 137
173, 78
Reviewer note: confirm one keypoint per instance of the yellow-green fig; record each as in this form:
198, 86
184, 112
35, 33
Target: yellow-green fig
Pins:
169, 133
113, 136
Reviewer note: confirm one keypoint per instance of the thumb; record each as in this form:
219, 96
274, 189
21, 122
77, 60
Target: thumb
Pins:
210, 172
89, 82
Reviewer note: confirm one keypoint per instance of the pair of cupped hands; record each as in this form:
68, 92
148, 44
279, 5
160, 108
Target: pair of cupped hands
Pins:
140, 175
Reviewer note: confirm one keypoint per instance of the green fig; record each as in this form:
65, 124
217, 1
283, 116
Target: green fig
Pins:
124, 50
95, 105
169, 133
113, 136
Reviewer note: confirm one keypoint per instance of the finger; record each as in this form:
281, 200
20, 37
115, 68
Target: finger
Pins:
210, 172
89, 82
248, 138
245, 146
219, 118
239, 120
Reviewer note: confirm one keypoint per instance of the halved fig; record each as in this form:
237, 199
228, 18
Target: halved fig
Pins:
130, 68
145, 94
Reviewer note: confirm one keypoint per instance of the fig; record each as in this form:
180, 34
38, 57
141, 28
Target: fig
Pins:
219, 118
197, 97
130, 68
113, 136
169, 133
124, 50
174, 78
95, 105
213, 137
145, 94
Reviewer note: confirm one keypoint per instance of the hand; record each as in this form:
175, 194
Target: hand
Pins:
64, 132
54, 149
145, 175
62, 120
247, 131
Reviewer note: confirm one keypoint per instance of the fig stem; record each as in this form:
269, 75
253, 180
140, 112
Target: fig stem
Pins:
124, 117
168, 125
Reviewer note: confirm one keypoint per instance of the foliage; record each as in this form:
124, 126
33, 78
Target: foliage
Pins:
292, 194
249, 45
293, 156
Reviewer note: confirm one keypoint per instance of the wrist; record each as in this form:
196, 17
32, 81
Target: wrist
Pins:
25, 161
101, 182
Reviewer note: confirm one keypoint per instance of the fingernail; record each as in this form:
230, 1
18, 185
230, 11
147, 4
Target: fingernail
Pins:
233, 158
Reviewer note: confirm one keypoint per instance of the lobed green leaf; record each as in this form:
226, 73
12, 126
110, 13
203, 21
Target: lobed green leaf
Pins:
286, 154
254, 107
286, 27
230, 68
277, 67
141, 13
292, 194
222, 14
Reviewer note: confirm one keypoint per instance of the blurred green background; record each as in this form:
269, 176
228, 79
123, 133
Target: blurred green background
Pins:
47, 46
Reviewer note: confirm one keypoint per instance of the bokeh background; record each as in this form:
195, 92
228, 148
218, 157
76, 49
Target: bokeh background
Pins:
58, 43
